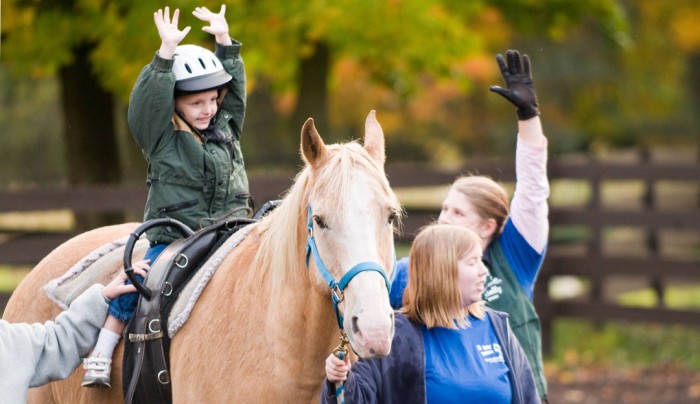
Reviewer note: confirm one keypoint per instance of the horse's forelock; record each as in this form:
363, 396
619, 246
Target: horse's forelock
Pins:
345, 159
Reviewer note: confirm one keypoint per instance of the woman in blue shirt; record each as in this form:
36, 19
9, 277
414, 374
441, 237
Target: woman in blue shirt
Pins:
447, 346
514, 234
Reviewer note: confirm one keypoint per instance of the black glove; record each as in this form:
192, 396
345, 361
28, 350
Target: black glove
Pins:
520, 90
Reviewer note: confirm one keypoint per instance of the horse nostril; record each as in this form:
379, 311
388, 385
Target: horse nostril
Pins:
355, 328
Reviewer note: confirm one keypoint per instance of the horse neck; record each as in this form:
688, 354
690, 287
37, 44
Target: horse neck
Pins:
299, 315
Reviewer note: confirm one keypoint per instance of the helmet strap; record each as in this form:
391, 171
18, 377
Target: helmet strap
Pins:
194, 130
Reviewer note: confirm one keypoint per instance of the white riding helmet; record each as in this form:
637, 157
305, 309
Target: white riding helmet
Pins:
198, 69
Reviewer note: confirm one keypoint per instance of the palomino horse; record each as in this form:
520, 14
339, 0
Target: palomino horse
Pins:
265, 323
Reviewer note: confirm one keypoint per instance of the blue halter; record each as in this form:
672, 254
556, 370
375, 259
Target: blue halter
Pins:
337, 288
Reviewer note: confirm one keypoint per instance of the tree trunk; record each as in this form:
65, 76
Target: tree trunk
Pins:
313, 81
91, 143
267, 138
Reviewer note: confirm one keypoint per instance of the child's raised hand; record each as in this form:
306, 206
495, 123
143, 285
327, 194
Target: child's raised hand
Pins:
217, 23
170, 35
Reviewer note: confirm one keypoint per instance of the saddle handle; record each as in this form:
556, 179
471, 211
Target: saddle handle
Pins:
134, 237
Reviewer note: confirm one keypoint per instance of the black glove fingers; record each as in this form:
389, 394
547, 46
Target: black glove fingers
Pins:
502, 65
499, 90
526, 66
502, 92
518, 89
513, 62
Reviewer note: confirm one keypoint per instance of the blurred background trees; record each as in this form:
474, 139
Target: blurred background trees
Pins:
608, 73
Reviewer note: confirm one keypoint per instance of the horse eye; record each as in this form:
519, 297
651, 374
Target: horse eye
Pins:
320, 223
392, 217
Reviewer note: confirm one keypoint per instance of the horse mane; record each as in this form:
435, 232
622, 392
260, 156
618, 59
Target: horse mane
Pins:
283, 232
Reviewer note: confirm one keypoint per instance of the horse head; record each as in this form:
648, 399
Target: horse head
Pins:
350, 224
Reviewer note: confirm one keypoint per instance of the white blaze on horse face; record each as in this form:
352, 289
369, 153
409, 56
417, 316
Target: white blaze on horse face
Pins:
368, 316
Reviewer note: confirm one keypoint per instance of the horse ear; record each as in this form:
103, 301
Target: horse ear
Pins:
312, 147
374, 138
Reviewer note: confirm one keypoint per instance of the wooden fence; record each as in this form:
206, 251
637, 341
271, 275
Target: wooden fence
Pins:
582, 244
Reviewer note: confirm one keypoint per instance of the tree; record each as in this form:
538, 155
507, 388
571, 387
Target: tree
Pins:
55, 41
97, 48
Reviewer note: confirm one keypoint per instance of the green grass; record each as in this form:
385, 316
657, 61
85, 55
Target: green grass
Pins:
10, 277
676, 297
579, 343
52, 220
402, 250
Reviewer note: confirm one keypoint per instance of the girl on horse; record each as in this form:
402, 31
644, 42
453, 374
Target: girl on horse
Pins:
186, 113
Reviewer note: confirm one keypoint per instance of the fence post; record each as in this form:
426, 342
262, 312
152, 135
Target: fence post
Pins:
595, 241
652, 237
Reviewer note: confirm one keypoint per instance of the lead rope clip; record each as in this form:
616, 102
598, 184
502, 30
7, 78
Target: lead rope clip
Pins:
341, 351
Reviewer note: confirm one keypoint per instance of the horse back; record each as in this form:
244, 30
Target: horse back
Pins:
29, 302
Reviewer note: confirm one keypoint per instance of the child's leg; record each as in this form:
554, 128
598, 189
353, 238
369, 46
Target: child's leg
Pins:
109, 337
99, 364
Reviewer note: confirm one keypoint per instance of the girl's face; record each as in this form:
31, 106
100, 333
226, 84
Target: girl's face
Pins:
471, 276
199, 108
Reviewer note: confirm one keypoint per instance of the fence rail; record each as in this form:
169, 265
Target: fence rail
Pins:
589, 257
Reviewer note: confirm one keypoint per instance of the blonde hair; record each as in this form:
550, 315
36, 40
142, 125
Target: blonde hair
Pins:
488, 198
433, 296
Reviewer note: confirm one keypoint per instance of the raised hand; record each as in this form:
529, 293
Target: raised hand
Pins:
170, 35
217, 23
519, 90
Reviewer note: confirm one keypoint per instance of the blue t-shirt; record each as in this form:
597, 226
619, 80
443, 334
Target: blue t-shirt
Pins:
399, 283
465, 365
523, 259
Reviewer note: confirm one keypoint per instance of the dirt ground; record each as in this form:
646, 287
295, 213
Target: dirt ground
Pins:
660, 385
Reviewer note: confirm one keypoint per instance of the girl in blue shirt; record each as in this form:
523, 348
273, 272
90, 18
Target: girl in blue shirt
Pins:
447, 347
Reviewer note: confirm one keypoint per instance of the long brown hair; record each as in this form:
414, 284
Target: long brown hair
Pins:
433, 297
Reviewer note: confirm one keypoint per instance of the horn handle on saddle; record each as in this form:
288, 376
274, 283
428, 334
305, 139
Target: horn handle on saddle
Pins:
134, 237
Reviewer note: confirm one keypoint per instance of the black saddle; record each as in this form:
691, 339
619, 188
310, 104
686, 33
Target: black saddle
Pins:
146, 362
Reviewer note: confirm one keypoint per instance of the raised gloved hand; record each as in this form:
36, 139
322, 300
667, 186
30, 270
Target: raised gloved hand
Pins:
519, 88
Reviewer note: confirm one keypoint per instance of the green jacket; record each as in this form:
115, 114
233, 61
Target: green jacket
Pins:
522, 315
189, 179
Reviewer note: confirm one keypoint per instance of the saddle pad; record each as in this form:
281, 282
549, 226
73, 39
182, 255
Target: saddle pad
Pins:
190, 293
105, 260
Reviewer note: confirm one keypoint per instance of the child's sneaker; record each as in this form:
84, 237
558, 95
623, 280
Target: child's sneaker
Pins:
97, 372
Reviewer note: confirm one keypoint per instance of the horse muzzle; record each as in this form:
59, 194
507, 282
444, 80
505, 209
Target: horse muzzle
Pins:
370, 331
